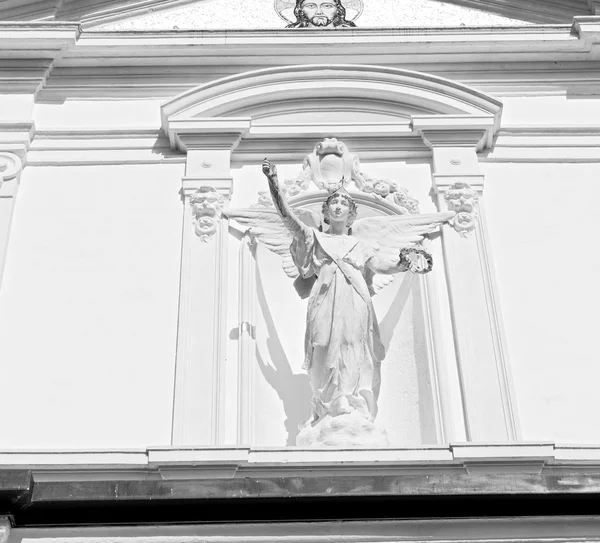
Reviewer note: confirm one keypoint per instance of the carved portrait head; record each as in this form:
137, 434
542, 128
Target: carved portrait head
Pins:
340, 205
461, 198
320, 14
207, 204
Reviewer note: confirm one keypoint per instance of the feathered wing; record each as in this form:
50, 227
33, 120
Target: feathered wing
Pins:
267, 226
389, 233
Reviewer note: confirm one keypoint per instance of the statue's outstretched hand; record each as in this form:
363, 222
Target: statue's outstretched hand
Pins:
416, 260
270, 170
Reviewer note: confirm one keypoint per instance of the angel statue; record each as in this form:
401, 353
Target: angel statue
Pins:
343, 349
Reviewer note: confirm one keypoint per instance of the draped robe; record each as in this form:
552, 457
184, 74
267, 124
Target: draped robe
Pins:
343, 349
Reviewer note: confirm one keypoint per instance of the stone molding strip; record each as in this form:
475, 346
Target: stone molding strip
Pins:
513, 457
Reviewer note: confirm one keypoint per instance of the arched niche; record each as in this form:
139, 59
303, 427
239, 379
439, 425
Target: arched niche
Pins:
278, 393
381, 114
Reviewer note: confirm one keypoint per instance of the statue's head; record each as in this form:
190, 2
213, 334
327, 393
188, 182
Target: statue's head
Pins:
339, 206
320, 14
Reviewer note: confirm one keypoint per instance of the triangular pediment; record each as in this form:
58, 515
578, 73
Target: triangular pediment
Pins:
262, 14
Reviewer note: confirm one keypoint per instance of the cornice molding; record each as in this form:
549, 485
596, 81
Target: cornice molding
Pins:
506, 61
514, 457
169, 474
28, 52
557, 529
36, 36
90, 146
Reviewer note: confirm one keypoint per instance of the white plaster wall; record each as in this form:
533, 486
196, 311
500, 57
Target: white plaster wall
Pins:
280, 389
88, 307
219, 14
543, 221
108, 114
557, 110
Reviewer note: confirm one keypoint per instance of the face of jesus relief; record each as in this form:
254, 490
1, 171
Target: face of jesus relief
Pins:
319, 13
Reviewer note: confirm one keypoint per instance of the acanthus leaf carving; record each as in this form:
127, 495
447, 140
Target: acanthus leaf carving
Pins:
462, 199
207, 205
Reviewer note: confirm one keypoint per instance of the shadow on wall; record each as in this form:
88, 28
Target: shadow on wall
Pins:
410, 418
293, 389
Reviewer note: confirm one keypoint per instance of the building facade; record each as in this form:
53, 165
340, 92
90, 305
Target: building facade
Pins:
152, 348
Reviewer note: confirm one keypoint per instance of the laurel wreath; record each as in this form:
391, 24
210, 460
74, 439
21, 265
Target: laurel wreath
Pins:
404, 252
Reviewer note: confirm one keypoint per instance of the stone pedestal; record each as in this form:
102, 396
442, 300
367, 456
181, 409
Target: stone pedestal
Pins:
351, 430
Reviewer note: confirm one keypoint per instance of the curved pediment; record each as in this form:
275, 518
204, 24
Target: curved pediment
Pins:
319, 100
258, 91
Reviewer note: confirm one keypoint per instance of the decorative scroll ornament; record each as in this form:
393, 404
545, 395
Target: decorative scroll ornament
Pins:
207, 204
462, 199
319, 13
10, 166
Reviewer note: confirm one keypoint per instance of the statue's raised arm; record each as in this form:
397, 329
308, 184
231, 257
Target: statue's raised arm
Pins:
276, 228
290, 219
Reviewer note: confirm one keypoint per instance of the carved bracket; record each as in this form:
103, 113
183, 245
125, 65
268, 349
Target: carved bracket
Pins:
207, 205
462, 199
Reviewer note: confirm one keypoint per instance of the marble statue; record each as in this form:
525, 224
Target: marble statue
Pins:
318, 13
337, 267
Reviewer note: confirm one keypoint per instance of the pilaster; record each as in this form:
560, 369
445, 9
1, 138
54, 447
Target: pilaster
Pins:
4, 529
199, 400
489, 405
10, 172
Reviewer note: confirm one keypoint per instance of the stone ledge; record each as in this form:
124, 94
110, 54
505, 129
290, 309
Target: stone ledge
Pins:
454, 455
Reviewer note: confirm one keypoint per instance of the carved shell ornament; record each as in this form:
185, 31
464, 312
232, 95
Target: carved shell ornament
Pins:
285, 9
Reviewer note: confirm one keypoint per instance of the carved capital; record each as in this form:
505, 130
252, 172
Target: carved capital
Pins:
462, 199
456, 130
10, 166
207, 205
